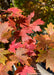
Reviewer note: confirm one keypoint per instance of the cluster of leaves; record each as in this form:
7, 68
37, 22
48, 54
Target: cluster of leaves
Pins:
16, 29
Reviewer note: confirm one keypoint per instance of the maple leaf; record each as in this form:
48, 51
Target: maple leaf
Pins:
26, 27
5, 32
48, 56
33, 26
25, 70
22, 57
43, 41
2, 57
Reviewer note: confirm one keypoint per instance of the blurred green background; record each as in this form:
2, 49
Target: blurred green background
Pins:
44, 9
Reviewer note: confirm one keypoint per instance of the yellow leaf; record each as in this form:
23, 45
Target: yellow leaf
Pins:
3, 58
48, 56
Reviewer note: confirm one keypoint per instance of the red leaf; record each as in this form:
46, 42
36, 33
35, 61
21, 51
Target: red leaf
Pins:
14, 45
33, 26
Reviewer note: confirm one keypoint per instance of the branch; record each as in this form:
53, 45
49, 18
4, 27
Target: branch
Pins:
42, 70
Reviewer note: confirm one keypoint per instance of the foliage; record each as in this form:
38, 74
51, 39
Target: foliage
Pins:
16, 30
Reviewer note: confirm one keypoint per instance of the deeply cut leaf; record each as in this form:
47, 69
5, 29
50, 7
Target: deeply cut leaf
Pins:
48, 56
21, 55
43, 41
